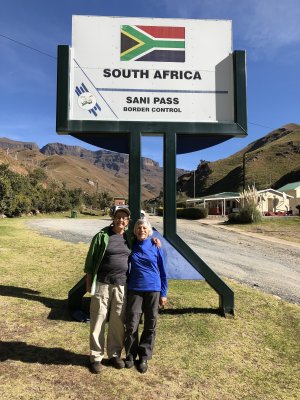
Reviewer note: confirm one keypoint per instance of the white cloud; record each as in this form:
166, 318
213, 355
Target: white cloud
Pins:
273, 25
265, 27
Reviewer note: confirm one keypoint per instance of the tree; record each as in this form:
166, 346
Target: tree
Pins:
15, 192
76, 197
104, 200
38, 175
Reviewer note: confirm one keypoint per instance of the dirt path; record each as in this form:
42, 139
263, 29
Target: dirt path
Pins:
269, 264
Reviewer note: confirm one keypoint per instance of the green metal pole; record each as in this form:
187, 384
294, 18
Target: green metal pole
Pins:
135, 176
169, 183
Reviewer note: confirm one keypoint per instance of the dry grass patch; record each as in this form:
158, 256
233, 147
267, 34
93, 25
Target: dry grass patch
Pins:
198, 354
286, 228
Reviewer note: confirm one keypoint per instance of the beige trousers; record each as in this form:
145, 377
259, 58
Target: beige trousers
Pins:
108, 299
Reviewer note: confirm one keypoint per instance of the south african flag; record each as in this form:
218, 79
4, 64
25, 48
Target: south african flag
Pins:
152, 43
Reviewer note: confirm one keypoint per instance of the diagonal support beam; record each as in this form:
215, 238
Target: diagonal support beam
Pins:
226, 295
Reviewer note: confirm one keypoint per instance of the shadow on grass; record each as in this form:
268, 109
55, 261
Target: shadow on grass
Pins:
189, 310
21, 351
60, 311
59, 308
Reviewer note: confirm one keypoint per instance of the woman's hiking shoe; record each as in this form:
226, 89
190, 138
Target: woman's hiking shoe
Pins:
143, 366
129, 362
96, 367
117, 362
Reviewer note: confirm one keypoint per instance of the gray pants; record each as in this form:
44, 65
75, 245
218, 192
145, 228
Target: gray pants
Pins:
138, 303
110, 299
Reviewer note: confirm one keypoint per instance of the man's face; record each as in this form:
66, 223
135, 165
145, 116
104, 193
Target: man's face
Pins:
121, 219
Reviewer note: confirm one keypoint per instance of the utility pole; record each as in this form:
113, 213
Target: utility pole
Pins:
244, 171
194, 187
194, 183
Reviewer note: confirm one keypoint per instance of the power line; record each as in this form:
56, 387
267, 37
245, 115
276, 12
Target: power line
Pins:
262, 126
29, 47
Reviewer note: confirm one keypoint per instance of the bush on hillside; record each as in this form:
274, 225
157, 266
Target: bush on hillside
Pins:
27, 194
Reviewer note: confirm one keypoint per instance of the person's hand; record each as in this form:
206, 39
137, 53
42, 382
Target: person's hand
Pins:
156, 241
162, 301
88, 283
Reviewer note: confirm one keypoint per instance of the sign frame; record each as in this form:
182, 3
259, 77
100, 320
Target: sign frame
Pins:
64, 125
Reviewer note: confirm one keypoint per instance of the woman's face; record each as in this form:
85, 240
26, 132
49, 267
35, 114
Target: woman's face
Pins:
121, 220
142, 232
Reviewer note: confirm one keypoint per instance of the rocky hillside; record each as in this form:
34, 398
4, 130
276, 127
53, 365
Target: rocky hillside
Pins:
15, 145
78, 167
102, 158
272, 161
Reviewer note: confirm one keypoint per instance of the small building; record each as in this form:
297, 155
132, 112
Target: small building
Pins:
270, 202
292, 189
217, 204
119, 201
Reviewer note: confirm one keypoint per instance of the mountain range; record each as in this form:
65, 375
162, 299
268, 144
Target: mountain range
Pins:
93, 171
271, 161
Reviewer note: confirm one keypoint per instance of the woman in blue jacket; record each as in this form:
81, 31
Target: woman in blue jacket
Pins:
147, 288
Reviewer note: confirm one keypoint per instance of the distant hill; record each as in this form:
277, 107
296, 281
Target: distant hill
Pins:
78, 167
272, 161
13, 144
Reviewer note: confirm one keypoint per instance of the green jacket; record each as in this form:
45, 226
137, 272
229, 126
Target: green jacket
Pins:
97, 249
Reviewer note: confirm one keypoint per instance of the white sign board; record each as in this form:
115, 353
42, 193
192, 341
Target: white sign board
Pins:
143, 69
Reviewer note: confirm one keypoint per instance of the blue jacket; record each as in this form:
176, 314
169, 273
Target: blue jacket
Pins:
147, 268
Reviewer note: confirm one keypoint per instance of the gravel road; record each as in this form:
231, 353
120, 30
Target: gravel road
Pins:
270, 265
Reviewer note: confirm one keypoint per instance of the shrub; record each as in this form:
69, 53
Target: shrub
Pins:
188, 213
160, 211
248, 211
233, 218
192, 213
246, 215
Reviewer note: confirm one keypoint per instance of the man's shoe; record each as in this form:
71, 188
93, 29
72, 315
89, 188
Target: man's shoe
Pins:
143, 366
96, 367
117, 362
129, 362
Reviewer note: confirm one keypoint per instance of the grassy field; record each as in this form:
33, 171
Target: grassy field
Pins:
198, 354
286, 228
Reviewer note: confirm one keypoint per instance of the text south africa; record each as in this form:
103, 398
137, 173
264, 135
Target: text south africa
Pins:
154, 74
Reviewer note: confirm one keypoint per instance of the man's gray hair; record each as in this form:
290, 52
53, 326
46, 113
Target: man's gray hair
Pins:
143, 222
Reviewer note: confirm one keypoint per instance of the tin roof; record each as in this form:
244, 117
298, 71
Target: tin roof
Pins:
289, 186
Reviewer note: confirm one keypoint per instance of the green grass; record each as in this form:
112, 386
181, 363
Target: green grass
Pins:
198, 354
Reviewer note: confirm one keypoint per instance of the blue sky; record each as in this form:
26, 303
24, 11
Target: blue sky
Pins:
268, 30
